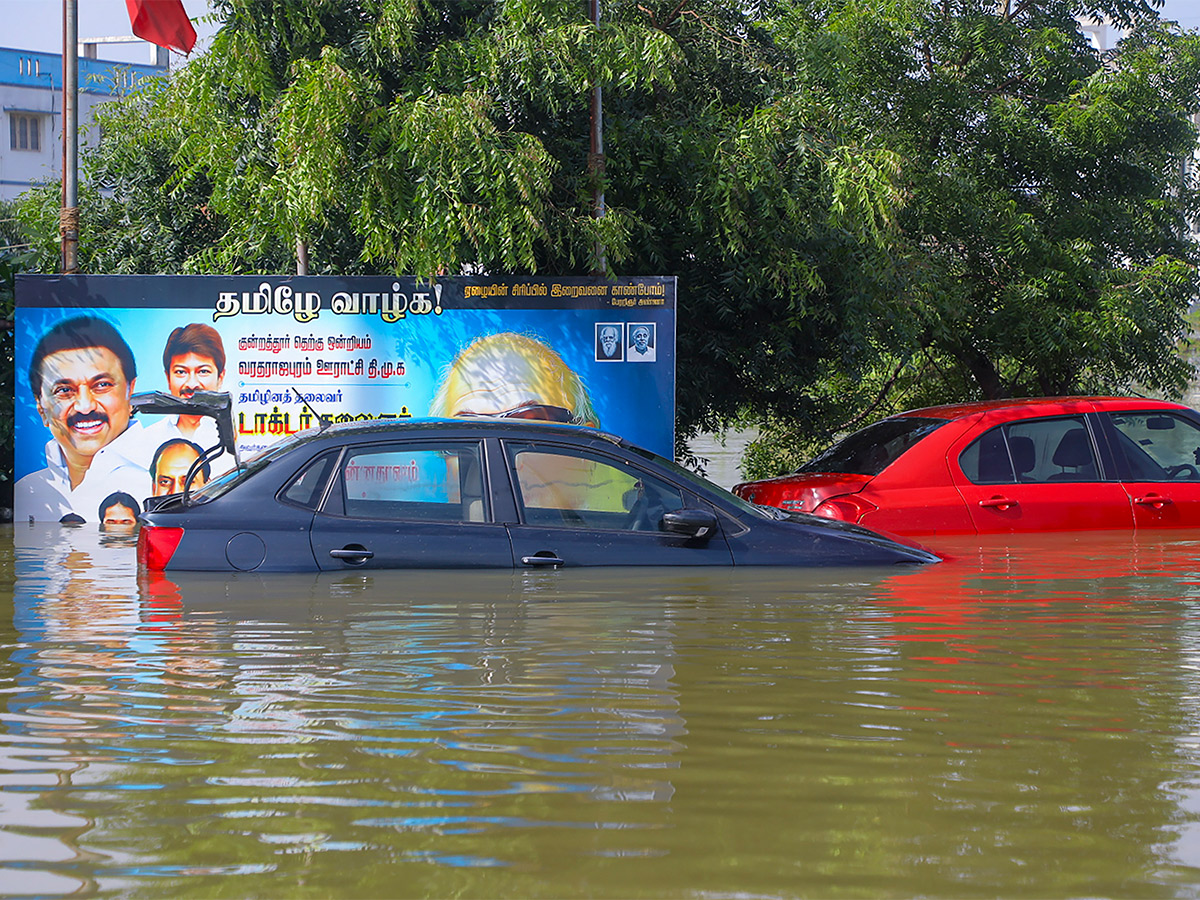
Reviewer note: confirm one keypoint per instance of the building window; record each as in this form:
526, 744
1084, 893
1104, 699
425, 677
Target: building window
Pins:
26, 131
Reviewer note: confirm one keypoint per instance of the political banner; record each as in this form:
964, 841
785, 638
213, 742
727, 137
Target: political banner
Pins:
288, 350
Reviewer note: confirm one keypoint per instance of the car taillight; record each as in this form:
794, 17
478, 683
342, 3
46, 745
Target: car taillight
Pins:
846, 509
156, 545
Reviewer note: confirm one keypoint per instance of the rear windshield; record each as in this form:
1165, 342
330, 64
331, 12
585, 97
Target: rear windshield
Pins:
874, 448
222, 484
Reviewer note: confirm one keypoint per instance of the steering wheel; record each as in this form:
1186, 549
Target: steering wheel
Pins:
1186, 471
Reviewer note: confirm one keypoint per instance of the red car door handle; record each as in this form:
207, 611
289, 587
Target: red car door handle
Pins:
1158, 501
997, 502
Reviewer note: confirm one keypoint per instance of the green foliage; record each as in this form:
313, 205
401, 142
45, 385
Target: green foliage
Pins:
870, 204
381, 133
1049, 204
1043, 246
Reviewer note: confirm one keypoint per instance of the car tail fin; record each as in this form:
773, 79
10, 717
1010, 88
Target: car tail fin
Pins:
801, 493
846, 508
218, 405
156, 545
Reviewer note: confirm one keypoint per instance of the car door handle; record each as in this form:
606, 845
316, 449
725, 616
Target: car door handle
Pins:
998, 502
542, 561
353, 554
1158, 501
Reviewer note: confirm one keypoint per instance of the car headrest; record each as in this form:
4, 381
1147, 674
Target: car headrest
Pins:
1023, 455
1074, 450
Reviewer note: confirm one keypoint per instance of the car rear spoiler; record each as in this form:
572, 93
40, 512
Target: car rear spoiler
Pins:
217, 405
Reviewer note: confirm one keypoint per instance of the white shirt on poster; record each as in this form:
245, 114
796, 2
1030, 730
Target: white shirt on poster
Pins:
122, 465
636, 355
206, 436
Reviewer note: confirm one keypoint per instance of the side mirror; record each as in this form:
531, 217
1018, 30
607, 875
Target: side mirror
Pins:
695, 523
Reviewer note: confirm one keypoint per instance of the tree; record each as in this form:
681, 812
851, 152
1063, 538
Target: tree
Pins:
1044, 247
378, 133
868, 203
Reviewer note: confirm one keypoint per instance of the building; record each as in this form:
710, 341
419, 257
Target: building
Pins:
31, 100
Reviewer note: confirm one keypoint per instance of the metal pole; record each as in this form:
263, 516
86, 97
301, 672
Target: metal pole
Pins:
68, 222
596, 156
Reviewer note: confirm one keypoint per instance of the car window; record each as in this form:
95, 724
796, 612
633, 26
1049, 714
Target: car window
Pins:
706, 488
1033, 451
441, 482
560, 487
1158, 446
307, 488
874, 448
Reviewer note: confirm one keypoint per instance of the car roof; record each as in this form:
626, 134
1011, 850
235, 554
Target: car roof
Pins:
481, 424
1035, 404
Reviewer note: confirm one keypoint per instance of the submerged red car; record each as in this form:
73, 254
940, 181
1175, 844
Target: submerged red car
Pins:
1042, 464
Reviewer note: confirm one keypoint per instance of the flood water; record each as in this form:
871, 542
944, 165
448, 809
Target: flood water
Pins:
1021, 721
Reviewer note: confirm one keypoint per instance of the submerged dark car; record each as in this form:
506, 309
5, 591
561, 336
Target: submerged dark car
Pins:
476, 493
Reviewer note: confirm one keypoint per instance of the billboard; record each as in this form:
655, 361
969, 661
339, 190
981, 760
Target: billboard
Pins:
584, 350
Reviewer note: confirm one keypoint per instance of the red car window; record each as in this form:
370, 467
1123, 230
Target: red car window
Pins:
1061, 450
1034, 451
1158, 447
987, 460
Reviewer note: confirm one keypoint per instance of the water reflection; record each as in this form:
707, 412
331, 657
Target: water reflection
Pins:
1020, 720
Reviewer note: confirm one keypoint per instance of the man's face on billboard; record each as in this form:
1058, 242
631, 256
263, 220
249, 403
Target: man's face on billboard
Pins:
171, 470
608, 340
190, 373
119, 518
84, 400
641, 339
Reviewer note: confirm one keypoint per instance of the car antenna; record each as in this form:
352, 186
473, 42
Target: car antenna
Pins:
322, 421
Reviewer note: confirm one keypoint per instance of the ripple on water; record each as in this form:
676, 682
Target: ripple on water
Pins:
1020, 721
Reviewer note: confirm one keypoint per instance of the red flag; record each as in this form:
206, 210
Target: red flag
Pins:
162, 22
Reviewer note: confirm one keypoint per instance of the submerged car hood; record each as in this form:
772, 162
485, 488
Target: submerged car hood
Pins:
801, 491
905, 549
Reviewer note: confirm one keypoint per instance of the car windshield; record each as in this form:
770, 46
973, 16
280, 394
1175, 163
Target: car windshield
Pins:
874, 448
704, 485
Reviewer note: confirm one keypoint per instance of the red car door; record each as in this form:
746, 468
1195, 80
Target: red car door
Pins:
1161, 454
1040, 474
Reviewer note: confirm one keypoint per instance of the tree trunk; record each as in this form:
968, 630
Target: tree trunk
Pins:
984, 373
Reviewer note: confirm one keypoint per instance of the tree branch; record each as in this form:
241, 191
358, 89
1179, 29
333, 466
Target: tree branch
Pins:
1020, 9
675, 14
883, 392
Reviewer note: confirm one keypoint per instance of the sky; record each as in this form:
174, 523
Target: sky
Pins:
1185, 12
37, 24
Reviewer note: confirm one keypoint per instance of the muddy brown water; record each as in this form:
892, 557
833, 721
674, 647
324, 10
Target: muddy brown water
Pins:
1022, 720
